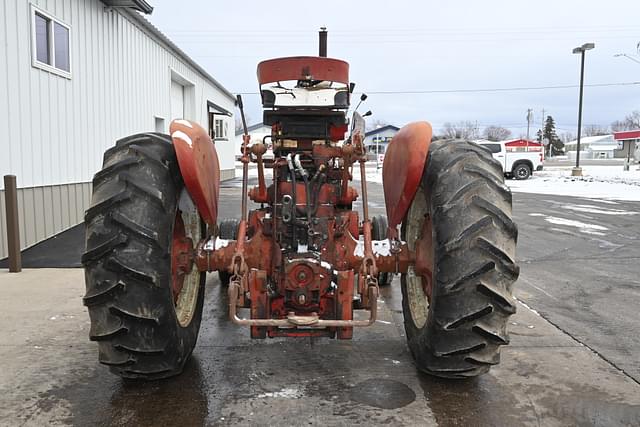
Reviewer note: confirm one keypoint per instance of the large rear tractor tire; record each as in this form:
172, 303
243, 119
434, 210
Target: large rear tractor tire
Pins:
456, 317
228, 231
144, 300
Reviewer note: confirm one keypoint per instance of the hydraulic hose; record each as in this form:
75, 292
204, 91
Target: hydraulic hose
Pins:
292, 172
305, 178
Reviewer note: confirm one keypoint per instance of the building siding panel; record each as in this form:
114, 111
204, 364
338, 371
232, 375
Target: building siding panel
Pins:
58, 128
45, 211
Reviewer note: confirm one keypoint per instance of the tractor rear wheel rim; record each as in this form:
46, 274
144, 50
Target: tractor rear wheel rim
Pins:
185, 277
417, 287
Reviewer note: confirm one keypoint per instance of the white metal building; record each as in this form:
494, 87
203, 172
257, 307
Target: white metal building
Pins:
75, 76
594, 147
377, 140
257, 132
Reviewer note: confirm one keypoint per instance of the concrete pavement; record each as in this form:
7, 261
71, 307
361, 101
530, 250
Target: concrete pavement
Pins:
51, 375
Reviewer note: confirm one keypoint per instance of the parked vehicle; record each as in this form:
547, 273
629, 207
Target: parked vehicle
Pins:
515, 164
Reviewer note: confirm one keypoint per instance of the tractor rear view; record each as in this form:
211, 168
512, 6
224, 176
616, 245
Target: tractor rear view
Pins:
305, 259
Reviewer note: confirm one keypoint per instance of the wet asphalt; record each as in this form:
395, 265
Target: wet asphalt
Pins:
571, 364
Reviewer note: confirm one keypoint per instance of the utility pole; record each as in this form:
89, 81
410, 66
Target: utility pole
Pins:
542, 133
529, 119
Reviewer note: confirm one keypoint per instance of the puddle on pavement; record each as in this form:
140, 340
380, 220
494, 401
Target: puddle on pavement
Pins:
382, 393
104, 399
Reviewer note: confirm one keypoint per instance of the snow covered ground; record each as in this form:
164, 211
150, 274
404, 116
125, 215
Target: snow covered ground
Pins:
598, 182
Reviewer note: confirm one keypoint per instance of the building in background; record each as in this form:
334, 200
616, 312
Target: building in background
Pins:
257, 132
628, 144
377, 140
595, 147
75, 76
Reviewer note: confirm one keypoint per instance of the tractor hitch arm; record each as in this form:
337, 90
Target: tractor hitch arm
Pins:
293, 320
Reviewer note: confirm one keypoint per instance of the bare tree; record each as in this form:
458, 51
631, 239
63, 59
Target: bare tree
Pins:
594, 130
630, 122
460, 130
376, 123
567, 137
496, 133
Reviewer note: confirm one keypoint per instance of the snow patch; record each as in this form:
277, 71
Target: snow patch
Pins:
598, 210
285, 393
573, 223
221, 243
594, 233
598, 183
379, 247
326, 265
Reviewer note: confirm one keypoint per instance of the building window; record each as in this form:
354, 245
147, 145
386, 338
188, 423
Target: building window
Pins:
221, 129
50, 43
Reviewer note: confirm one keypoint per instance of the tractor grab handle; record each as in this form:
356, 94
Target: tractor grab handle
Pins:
292, 320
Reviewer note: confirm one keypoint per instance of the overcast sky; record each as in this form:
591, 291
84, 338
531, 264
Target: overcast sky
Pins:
396, 46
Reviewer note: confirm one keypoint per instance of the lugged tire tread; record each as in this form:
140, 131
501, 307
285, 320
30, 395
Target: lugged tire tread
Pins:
137, 350
108, 334
118, 266
106, 205
145, 190
99, 292
491, 208
470, 317
103, 248
138, 229
128, 278
500, 300
135, 316
113, 168
474, 242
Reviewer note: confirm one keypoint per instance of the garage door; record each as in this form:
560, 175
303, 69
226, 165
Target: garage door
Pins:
177, 100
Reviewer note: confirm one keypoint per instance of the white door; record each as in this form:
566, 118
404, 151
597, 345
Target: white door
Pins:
177, 101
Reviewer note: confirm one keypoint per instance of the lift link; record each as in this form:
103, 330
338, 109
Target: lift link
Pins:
306, 321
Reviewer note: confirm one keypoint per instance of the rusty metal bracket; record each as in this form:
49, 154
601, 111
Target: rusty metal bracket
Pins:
292, 320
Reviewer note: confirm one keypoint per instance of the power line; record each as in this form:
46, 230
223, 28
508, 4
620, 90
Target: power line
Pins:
482, 90
410, 31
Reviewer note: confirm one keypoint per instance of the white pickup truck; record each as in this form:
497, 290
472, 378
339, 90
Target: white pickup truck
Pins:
516, 164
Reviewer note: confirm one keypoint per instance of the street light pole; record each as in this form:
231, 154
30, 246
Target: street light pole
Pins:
577, 171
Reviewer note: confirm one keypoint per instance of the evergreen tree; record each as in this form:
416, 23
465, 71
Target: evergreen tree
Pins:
555, 146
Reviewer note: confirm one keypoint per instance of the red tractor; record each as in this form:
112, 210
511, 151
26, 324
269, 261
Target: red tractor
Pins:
305, 259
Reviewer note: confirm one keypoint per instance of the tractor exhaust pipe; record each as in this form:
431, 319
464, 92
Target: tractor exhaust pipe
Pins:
323, 42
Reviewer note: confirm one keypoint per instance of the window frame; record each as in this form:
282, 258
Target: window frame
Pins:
225, 128
51, 43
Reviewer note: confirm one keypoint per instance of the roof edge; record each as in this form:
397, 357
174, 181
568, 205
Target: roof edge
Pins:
381, 129
156, 32
140, 5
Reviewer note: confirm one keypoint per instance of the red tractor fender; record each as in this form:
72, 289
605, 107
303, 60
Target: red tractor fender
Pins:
199, 166
404, 164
